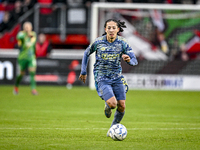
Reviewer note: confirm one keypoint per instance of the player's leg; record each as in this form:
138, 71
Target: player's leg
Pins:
119, 114
22, 64
17, 82
120, 94
32, 70
106, 93
110, 104
120, 88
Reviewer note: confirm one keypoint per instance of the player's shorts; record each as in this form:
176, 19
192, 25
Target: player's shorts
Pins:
26, 63
109, 88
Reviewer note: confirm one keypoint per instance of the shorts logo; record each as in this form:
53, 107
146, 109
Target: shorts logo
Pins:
125, 84
101, 91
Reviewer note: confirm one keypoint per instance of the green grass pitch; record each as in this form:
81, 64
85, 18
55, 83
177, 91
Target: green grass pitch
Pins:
59, 118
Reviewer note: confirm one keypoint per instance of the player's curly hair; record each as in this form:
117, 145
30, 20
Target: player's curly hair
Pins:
120, 24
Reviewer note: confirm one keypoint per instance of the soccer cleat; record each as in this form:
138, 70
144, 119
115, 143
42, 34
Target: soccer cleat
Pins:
34, 92
107, 111
108, 133
16, 90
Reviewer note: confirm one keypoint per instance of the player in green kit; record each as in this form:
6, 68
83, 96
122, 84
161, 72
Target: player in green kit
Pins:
26, 58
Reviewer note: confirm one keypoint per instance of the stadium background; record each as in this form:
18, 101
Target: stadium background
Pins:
67, 26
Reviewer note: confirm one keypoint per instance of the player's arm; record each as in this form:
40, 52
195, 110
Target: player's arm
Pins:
33, 39
32, 42
87, 53
128, 55
19, 38
130, 58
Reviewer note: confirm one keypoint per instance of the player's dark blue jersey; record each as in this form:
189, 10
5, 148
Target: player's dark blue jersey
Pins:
108, 58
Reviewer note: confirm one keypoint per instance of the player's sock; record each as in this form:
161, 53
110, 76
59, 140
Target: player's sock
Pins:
33, 84
117, 117
18, 80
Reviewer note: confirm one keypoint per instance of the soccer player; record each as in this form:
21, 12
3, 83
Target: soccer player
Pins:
26, 58
110, 83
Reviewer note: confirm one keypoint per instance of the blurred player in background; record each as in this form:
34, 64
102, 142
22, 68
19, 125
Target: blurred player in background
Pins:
26, 58
110, 83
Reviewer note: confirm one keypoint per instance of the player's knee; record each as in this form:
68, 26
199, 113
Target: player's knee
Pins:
121, 106
112, 104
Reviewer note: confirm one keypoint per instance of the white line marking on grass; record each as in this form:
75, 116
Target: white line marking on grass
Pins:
168, 123
163, 129
98, 128
157, 123
166, 116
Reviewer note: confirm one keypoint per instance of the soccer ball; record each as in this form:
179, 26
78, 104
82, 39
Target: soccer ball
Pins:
118, 132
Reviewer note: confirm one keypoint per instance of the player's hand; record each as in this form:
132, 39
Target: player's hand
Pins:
82, 78
126, 58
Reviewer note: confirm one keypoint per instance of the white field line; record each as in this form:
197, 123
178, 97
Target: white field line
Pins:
98, 129
167, 116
